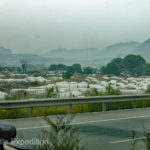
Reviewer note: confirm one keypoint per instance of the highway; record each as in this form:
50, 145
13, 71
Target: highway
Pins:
109, 130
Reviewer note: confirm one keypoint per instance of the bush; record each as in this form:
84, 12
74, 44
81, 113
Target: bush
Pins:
61, 136
23, 95
111, 91
67, 75
88, 70
3, 89
145, 139
13, 114
51, 93
147, 91
93, 92
111, 69
133, 143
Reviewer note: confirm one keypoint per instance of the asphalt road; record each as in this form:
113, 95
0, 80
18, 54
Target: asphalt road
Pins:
99, 131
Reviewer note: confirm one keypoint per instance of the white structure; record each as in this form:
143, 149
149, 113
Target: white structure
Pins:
2, 95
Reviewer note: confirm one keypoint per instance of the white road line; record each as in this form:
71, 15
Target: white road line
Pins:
126, 140
29, 128
105, 120
87, 122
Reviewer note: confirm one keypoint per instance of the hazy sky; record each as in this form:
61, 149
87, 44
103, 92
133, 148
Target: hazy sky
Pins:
42, 25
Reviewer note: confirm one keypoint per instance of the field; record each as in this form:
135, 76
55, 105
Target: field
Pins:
16, 87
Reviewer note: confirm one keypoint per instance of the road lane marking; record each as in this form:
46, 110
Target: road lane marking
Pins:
127, 140
29, 128
107, 120
87, 122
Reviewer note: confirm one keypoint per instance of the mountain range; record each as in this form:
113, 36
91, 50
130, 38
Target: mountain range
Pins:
87, 57
144, 49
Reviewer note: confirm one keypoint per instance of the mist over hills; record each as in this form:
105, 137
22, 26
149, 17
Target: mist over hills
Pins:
73, 53
116, 49
8, 58
87, 57
120, 49
5, 51
92, 56
144, 49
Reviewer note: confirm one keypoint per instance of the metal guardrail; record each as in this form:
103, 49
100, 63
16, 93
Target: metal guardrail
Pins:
32, 103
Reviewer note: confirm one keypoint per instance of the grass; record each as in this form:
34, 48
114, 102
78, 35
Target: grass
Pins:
147, 91
142, 104
23, 113
135, 144
50, 93
15, 113
119, 105
57, 110
20, 95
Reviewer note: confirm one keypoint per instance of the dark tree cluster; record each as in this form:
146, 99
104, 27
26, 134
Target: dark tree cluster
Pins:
57, 67
71, 70
10, 69
134, 65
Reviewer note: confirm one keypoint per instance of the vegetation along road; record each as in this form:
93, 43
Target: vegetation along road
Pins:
111, 130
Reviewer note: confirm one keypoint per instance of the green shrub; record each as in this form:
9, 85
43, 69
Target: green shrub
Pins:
3, 89
61, 135
13, 114
23, 95
134, 142
51, 93
142, 104
93, 92
147, 91
111, 91
119, 105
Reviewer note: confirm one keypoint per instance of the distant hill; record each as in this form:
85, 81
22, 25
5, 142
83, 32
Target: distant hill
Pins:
74, 53
87, 57
120, 49
5, 55
93, 56
8, 58
4, 51
143, 47
144, 50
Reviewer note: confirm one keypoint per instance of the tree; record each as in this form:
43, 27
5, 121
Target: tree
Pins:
1, 68
53, 67
24, 64
134, 64
117, 61
111, 91
61, 67
67, 75
111, 69
88, 70
103, 70
77, 68
146, 70
57, 67
71, 69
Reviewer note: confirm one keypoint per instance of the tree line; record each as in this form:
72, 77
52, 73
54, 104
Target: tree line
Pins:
132, 65
69, 71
